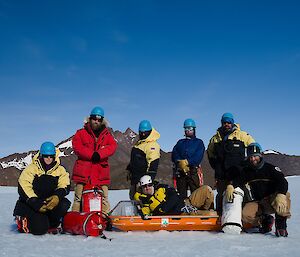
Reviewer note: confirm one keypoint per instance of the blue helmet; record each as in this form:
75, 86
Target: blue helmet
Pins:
47, 148
227, 117
189, 123
254, 149
145, 125
97, 111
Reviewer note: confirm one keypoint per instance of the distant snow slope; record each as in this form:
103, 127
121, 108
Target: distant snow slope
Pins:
162, 243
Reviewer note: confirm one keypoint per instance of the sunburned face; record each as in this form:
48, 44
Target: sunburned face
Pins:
254, 160
148, 189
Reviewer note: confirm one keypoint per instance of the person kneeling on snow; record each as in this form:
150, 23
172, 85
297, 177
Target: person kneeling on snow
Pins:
161, 199
266, 192
42, 188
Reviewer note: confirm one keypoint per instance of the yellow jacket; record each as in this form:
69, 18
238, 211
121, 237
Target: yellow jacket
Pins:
226, 153
145, 156
237, 134
35, 169
150, 147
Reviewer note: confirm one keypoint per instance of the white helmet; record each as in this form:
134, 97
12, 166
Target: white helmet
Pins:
144, 180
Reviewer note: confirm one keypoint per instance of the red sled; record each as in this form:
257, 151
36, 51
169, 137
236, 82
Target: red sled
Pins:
80, 223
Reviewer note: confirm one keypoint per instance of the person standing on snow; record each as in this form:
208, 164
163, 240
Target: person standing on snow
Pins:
266, 192
187, 155
144, 157
42, 187
160, 199
226, 149
93, 144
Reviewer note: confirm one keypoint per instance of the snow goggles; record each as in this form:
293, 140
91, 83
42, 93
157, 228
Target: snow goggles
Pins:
190, 129
48, 155
147, 185
96, 118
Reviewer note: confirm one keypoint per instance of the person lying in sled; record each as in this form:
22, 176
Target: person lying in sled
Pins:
266, 192
160, 199
42, 187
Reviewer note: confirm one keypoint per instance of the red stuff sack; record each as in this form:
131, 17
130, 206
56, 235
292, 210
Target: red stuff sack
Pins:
88, 224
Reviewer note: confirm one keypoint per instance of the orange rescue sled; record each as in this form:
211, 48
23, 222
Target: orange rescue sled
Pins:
125, 217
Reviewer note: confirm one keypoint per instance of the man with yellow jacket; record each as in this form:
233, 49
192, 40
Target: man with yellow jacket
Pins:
145, 156
42, 188
160, 199
226, 150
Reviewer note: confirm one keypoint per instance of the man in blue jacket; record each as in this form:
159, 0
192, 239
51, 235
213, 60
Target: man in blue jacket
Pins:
187, 155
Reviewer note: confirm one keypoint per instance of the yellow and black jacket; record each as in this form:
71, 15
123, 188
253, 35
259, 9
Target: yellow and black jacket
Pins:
144, 158
165, 200
225, 151
35, 184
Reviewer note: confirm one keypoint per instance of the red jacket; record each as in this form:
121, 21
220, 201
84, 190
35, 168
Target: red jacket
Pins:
85, 144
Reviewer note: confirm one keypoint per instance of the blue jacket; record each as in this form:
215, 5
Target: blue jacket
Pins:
191, 149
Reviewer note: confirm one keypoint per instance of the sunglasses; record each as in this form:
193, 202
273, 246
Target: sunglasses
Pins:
96, 118
147, 185
190, 129
226, 122
48, 156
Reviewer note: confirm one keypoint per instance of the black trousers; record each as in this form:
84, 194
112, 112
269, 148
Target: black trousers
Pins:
185, 182
38, 223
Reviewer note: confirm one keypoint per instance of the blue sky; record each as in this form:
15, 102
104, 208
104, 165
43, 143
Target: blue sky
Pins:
164, 61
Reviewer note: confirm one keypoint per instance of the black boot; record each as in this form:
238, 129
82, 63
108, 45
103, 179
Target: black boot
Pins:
266, 223
280, 224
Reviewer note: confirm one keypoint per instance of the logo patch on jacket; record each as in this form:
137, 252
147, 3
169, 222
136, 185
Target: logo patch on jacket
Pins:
152, 148
278, 169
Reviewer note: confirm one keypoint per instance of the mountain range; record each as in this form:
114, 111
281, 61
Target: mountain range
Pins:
12, 165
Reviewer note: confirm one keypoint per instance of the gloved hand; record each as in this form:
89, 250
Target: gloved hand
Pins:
280, 204
229, 193
35, 203
95, 157
160, 194
183, 165
43, 209
52, 202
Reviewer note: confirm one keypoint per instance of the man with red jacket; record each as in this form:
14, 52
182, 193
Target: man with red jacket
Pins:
93, 144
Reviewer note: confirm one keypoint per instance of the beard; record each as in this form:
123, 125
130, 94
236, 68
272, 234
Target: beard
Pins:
95, 126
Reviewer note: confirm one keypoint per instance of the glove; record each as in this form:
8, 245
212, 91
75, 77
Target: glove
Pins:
280, 204
183, 165
95, 157
229, 193
35, 203
43, 209
160, 194
52, 202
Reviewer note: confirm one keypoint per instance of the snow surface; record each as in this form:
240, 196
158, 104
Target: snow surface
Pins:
161, 243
